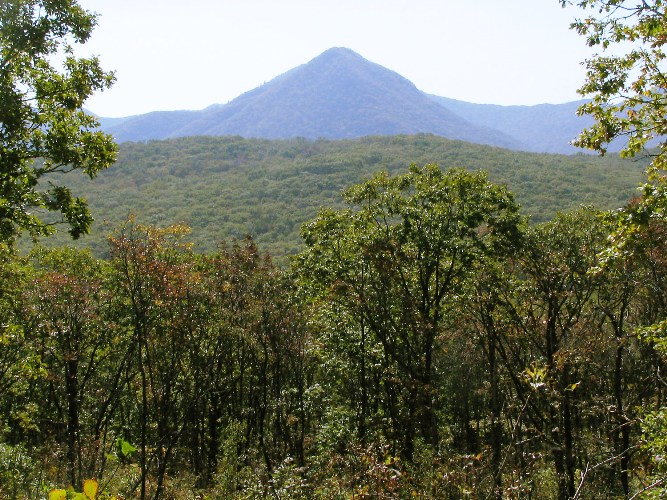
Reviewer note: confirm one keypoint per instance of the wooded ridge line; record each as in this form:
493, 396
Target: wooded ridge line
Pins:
227, 187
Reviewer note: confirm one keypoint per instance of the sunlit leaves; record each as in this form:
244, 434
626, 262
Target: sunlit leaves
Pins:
43, 127
58, 494
90, 487
90, 490
626, 81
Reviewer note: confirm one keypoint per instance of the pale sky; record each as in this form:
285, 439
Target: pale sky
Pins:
189, 54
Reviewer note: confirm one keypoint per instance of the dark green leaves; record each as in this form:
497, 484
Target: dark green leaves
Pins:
395, 261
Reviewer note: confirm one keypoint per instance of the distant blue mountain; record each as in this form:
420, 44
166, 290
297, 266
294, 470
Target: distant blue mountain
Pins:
340, 95
544, 128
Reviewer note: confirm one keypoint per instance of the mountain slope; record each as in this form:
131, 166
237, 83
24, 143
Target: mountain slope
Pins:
337, 95
341, 95
155, 125
227, 187
544, 128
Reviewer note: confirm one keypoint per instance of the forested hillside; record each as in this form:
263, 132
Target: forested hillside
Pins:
425, 343
229, 187
451, 322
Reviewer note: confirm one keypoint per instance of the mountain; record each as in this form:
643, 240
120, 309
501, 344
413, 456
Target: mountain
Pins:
341, 95
544, 128
337, 95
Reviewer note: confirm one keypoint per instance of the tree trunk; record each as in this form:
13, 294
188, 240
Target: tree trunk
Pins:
72, 388
361, 426
622, 432
143, 419
496, 424
213, 438
569, 443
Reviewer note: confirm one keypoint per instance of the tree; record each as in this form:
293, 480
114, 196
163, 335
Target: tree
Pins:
66, 303
627, 84
485, 306
20, 364
628, 87
153, 270
395, 260
44, 130
557, 262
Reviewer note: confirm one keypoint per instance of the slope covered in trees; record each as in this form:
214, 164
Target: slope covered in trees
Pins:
229, 187
425, 343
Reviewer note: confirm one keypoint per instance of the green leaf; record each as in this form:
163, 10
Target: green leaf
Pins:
59, 494
125, 448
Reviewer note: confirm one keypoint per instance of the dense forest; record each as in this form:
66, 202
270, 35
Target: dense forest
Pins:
227, 187
426, 342
493, 327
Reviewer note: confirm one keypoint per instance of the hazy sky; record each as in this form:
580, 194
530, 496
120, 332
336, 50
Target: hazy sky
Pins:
188, 54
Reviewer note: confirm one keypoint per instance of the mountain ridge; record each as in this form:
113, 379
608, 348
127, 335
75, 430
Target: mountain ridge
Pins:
341, 95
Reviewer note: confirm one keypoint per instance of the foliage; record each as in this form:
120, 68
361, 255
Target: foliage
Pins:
627, 83
628, 88
227, 187
67, 303
16, 466
394, 260
43, 128
425, 343
89, 492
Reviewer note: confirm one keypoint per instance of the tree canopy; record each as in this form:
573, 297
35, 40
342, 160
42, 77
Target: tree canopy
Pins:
43, 127
426, 343
627, 79
628, 85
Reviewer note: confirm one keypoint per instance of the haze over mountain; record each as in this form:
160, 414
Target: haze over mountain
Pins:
543, 128
341, 95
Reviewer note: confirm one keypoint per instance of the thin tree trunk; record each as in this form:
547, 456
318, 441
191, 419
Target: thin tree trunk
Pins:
213, 437
143, 421
496, 424
72, 387
622, 432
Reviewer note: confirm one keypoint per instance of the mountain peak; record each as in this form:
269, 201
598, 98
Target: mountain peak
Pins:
339, 52
336, 95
